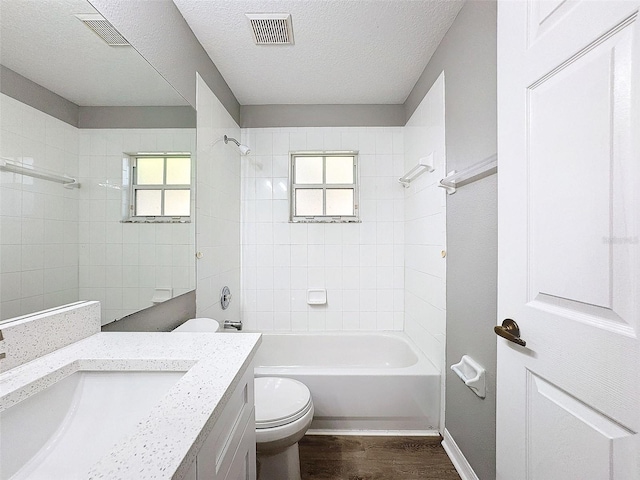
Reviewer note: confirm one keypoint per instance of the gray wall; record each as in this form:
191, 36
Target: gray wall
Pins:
467, 55
261, 116
163, 317
472, 218
30, 93
137, 117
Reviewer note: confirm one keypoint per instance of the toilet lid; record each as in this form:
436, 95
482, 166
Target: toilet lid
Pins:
206, 325
280, 401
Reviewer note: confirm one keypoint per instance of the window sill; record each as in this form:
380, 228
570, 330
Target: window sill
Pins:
155, 221
322, 220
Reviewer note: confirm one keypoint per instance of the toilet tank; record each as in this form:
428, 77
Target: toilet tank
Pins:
203, 325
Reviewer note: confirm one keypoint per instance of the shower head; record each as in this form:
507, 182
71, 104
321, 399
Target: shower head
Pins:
244, 150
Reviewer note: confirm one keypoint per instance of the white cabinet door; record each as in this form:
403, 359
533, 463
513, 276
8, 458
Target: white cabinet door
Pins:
233, 435
569, 248
243, 466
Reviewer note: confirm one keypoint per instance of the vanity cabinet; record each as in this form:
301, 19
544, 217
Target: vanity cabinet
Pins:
229, 452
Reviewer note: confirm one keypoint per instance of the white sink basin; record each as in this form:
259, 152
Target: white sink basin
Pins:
60, 432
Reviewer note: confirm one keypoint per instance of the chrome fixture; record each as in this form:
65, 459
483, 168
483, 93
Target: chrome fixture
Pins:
244, 150
232, 324
225, 297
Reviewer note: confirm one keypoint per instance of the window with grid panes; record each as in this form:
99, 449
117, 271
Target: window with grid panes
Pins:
160, 188
324, 187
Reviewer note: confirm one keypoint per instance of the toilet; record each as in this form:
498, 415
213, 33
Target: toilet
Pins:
284, 411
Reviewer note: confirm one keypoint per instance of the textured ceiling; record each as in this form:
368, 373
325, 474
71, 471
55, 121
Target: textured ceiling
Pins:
43, 41
345, 52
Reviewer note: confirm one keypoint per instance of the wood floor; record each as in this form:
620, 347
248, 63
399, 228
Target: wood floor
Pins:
324, 457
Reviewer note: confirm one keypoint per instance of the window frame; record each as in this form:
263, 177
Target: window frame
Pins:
293, 187
134, 187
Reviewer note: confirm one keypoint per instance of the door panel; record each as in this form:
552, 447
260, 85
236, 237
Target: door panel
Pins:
579, 125
552, 411
564, 150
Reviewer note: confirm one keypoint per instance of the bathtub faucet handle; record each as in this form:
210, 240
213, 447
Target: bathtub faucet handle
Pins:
231, 324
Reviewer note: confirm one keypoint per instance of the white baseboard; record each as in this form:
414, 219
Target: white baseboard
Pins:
457, 457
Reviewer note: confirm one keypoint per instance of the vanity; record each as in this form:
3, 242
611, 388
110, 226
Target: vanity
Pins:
129, 406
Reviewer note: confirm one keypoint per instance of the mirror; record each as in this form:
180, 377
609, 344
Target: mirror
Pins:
58, 243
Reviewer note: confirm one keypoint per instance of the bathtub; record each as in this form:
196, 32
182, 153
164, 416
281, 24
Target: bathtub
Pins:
373, 382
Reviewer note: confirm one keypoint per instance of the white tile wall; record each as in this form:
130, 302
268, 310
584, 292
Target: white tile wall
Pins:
425, 227
38, 218
121, 264
218, 207
360, 265
60, 245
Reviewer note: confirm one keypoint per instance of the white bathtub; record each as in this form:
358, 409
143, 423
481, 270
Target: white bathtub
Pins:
358, 381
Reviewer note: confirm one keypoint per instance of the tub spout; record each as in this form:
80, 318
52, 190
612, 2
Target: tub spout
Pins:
232, 324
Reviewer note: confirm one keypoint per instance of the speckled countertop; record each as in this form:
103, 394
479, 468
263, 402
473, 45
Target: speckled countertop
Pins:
166, 442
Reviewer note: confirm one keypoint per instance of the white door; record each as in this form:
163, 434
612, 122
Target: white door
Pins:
569, 239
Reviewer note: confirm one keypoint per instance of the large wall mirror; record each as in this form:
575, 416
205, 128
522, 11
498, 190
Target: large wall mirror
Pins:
74, 107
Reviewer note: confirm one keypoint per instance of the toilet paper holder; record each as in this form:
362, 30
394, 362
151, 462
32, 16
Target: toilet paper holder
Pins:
472, 374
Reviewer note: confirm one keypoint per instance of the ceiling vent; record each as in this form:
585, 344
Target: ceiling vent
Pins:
271, 28
103, 29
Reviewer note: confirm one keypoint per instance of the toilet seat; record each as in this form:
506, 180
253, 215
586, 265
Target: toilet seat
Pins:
280, 401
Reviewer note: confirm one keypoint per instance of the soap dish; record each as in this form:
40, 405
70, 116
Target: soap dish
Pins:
317, 296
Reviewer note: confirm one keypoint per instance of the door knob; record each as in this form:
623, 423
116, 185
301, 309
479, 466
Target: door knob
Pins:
510, 330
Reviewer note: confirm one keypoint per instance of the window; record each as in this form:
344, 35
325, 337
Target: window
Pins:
324, 187
160, 188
